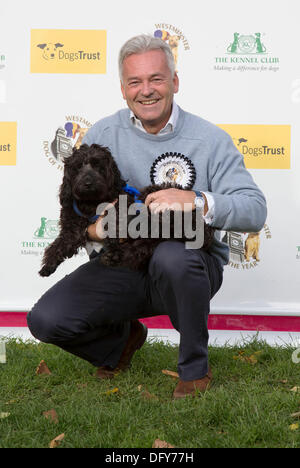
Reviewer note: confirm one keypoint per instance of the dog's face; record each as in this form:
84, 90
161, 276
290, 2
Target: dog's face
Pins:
49, 50
173, 41
92, 174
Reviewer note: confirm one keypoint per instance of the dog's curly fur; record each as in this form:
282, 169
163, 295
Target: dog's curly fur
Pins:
91, 177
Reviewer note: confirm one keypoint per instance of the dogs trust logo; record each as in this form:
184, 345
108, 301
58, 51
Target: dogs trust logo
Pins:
245, 53
8, 143
67, 136
49, 50
68, 51
263, 146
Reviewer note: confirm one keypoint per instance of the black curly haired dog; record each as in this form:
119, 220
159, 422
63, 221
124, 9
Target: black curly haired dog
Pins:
91, 177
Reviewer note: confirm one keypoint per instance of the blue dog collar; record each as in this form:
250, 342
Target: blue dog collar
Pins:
91, 219
133, 191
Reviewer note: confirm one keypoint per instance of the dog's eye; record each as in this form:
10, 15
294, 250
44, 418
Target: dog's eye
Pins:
96, 163
78, 165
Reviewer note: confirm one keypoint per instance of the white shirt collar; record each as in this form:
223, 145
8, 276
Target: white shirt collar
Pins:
168, 128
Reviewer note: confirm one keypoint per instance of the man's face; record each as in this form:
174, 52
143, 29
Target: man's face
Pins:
148, 87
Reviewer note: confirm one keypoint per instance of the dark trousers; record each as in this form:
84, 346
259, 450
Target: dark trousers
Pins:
88, 312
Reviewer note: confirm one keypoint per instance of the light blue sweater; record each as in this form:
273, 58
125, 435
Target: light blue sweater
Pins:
197, 154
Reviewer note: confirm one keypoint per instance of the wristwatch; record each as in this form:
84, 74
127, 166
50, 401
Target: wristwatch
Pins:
199, 200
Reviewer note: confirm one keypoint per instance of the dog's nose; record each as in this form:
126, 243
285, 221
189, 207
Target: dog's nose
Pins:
87, 182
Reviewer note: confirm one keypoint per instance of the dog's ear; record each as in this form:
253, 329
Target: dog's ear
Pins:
58, 44
41, 46
65, 193
116, 182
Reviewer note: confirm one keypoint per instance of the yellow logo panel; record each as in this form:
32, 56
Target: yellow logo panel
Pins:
8, 143
68, 51
263, 146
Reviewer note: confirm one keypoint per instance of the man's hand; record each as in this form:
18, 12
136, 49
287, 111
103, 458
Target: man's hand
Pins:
174, 199
92, 231
95, 230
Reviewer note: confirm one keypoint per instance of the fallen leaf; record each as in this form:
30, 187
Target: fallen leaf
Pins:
295, 389
4, 415
110, 392
170, 373
52, 415
295, 415
82, 385
161, 444
42, 368
284, 381
252, 359
147, 395
55, 442
294, 427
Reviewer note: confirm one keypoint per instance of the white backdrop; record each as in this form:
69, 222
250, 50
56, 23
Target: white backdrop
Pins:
41, 103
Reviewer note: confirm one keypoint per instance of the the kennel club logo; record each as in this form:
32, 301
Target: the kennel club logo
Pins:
48, 229
246, 44
246, 53
245, 248
68, 51
43, 235
263, 146
64, 138
173, 168
174, 37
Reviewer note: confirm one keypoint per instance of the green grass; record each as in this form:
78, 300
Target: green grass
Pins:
248, 405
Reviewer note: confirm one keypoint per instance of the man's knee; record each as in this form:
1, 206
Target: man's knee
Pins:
42, 325
173, 259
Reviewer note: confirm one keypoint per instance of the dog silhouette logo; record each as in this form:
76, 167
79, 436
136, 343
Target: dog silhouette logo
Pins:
240, 140
48, 229
246, 44
49, 50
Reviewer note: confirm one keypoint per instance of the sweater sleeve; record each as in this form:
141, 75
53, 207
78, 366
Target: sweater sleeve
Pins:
239, 203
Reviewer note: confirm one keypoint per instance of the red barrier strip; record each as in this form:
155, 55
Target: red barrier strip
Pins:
215, 322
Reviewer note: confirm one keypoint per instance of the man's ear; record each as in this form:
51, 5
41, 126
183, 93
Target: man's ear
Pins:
123, 91
176, 83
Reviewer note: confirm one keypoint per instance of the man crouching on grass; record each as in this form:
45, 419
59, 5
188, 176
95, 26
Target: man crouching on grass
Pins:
93, 312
